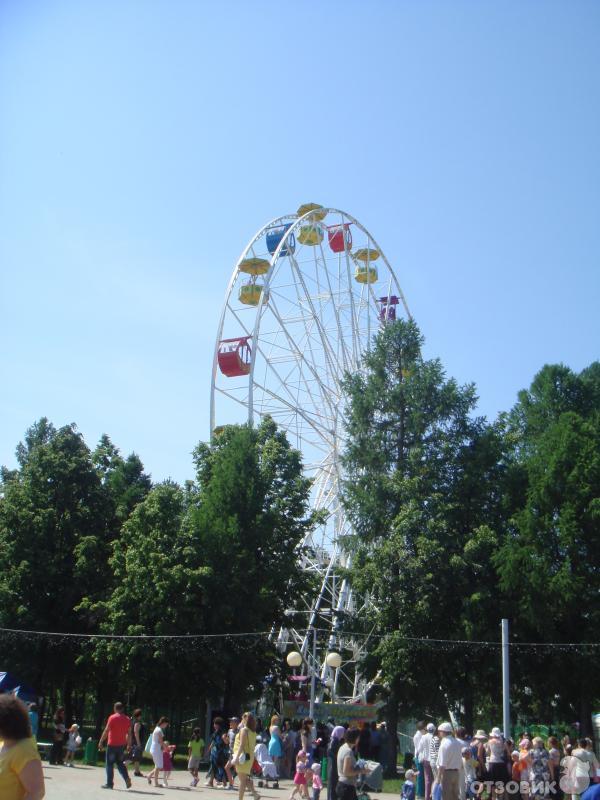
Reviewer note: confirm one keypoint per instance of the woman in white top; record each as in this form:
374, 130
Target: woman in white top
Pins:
156, 749
497, 757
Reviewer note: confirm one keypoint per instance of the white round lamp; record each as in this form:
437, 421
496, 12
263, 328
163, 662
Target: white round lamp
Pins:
294, 659
334, 660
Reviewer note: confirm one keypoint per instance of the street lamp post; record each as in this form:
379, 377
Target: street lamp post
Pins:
294, 659
334, 661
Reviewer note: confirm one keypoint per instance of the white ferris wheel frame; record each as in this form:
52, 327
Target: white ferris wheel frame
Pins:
340, 596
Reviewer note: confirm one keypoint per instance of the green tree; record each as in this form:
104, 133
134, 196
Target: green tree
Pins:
550, 557
60, 511
219, 557
423, 492
54, 539
125, 479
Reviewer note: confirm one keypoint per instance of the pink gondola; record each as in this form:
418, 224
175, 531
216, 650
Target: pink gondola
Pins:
234, 357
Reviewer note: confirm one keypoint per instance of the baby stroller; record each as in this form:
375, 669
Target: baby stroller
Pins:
263, 767
373, 780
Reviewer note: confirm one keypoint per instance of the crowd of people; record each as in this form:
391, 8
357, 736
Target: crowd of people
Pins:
449, 764
238, 750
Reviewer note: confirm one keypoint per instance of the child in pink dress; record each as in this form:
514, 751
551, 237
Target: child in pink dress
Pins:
300, 776
168, 750
317, 783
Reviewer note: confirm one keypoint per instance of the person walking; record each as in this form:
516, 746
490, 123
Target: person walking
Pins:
498, 758
73, 744
420, 771
584, 764
58, 737
34, 719
463, 740
243, 757
138, 740
307, 738
335, 742
234, 724
21, 774
195, 748
364, 741
289, 748
434, 747
449, 763
424, 757
555, 756
117, 735
348, 770
385, 748
276, 744
540, 770
157, 749
216, 748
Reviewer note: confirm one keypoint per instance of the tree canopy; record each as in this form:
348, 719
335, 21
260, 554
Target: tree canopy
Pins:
90, 546
459, 522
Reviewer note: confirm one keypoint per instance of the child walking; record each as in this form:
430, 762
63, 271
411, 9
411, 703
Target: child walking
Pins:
73, 742
195, 749
317, 783
408, 787
168, 750
300, 776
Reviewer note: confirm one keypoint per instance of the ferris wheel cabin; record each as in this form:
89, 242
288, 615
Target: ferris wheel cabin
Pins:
234, 357
340, 237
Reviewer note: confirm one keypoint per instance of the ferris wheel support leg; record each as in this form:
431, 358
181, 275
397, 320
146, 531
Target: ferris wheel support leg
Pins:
313, 675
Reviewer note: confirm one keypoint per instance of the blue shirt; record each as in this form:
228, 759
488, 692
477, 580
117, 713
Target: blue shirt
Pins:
593, 793
408, 790
34, 720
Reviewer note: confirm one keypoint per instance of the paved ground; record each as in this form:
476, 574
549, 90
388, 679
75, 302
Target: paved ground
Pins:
83, 783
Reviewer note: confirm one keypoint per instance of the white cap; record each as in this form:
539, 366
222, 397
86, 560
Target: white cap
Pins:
431, 727
445, 727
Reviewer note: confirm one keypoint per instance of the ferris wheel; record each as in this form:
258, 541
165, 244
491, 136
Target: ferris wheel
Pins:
305, 298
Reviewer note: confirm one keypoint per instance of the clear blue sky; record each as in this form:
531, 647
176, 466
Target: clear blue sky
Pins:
143, 143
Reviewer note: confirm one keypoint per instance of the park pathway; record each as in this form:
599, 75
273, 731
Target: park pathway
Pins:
84, 783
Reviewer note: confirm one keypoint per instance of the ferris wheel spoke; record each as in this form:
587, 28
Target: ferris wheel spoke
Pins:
293, 404
242, 402
281, 380
324, 392
326, 347
320, 429
341, 338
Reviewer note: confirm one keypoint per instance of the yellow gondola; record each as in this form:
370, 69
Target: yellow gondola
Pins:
364, 274
311, 235
319, 213
255, 266
367, 254
250, 293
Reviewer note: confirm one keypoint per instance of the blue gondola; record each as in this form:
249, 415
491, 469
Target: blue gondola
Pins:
275, 235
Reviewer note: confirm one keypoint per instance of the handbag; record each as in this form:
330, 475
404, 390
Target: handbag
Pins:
148, 744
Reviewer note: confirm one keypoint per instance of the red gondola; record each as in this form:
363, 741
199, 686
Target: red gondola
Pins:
234, 357
340, 237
